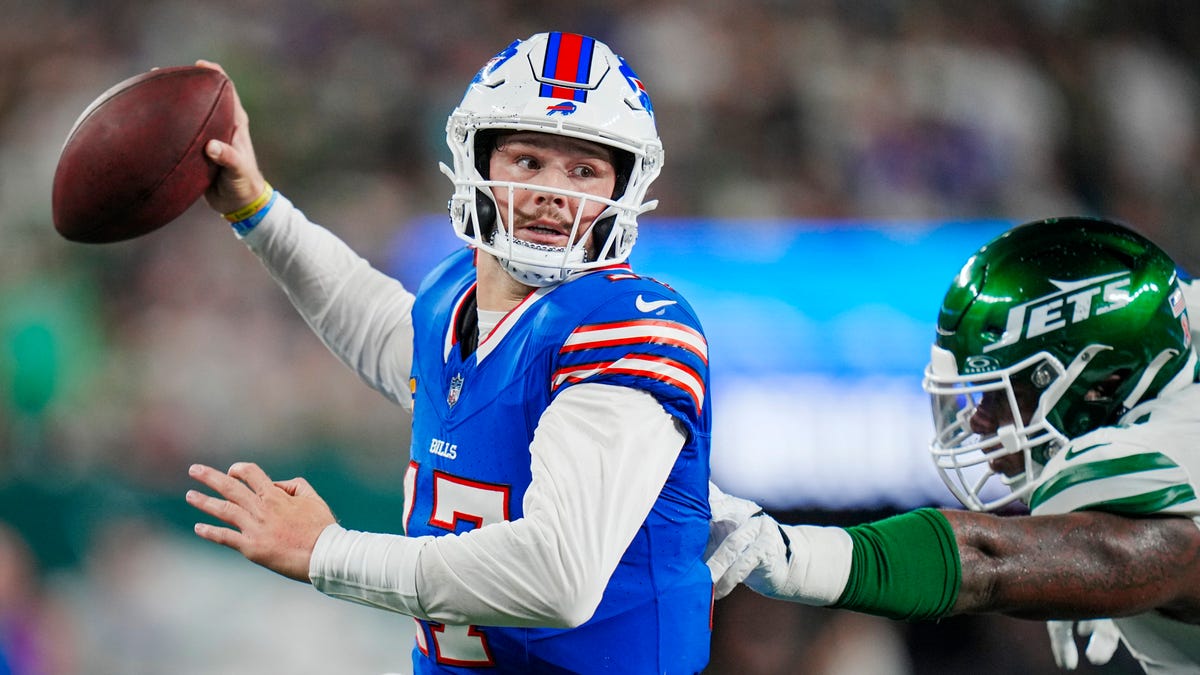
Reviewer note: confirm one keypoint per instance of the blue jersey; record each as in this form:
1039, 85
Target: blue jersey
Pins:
473, 422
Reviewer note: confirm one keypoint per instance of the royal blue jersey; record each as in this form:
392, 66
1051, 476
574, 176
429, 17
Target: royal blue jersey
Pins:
473, 422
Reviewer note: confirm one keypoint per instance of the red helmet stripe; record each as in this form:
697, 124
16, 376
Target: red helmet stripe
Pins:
568, 59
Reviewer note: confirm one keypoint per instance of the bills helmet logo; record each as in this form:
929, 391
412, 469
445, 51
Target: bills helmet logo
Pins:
565, 108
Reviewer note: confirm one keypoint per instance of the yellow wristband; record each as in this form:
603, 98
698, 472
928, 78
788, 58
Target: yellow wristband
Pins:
253, 207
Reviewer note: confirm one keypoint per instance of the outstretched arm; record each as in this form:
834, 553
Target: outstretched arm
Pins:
361, 314
1076, 565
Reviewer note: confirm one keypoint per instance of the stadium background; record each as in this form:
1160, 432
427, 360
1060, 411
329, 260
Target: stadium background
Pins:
829, 164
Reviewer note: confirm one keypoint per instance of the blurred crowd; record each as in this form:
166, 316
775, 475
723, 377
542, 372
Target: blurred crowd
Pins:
120, 364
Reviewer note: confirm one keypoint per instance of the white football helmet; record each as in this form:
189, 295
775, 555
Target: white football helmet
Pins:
557, 83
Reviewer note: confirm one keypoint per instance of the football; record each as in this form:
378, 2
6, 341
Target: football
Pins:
134, 160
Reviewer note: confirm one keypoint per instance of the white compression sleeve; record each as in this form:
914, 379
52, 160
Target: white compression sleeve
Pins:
600, 457
361, 314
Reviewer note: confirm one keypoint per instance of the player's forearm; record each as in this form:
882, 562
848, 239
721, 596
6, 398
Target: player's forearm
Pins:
600, 458
505, 574
1071, 566
372, 569
1078, 565
361, 314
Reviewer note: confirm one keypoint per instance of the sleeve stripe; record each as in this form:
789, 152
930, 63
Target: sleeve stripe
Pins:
1093, 471
637, 332
657, 368
1112, 492
1148, 503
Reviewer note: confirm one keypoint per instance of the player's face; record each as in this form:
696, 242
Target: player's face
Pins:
994, 411
556, 162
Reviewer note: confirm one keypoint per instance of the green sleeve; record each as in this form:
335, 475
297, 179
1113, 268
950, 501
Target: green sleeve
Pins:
904, 567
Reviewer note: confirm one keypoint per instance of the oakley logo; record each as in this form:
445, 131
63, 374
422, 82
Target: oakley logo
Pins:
1075, 302
647, 307
565, 108
980, 364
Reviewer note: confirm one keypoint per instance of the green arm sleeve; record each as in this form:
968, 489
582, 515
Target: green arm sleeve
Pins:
904, 567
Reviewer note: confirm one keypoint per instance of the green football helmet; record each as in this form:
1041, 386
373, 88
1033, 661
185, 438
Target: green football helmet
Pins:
1053, 329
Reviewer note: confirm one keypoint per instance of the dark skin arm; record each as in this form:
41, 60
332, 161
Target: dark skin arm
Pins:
1078, 565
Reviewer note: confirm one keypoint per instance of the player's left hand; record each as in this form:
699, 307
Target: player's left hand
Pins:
728, 514
276, 524
754, 554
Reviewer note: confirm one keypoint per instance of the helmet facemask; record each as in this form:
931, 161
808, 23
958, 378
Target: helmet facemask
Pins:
1015, 406
596, 241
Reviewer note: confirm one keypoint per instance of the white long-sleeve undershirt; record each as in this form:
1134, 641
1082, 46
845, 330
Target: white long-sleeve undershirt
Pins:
599, 458
362, 315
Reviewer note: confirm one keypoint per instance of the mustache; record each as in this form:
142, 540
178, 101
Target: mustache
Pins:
547, 213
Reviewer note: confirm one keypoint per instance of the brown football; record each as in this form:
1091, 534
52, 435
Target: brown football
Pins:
134, 161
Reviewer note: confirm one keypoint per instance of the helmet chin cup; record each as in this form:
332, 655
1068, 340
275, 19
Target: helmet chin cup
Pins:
533, 264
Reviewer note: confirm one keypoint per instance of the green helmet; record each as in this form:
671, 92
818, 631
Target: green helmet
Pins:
1053, 329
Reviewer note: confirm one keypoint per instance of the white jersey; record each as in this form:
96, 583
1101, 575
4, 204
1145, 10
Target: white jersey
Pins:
1147, 465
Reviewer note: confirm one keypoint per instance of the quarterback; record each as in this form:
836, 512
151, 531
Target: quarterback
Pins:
1063, 369
556, 499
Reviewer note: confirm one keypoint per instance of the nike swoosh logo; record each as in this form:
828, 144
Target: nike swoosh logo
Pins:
644, 306
1072, 452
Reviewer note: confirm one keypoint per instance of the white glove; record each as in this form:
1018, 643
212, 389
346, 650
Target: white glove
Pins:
746, 545
1103, 638
753, 553
728, 514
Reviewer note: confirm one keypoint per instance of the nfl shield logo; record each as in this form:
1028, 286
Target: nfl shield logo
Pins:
456, 384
